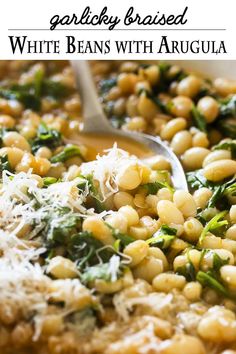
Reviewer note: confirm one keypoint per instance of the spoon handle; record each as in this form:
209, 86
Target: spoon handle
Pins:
94, 118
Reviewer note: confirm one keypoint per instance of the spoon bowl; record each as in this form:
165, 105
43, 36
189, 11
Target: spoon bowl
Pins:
96, 124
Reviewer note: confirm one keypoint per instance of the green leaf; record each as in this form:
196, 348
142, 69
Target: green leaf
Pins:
124, 238
228, 107
82, 248
227, 127
162, 106
207, 279
227, 145
213, 224
188, 271
50, 138
67, 153
54, 89
30, 94
23, 95
163, 237
196, 180
198, 119
153, 188
218, 262
102, 271
5, 164
94, 192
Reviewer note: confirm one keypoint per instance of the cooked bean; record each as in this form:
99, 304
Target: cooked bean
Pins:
137, 250
169, 213
217, 155
167, 281
181, 142
14, 139
219, 170
189, 86
194, 157
209, 107
181, 106
185, 203
173, 127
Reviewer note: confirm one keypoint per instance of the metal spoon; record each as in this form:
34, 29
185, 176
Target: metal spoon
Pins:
96, 122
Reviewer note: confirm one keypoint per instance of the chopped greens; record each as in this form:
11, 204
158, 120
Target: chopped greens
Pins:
196, 180
109, 271
153, 188
213, 224
82, 248
198, 119
94, 192
123, 238
228, 127
162, 106
50, 138
208, 279
4, 164
228, 107
163, 237
30, 94
67, 153
188, 271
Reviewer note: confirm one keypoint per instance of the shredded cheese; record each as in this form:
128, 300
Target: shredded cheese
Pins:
106, 168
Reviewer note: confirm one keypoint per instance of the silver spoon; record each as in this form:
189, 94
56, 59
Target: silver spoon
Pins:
96, 122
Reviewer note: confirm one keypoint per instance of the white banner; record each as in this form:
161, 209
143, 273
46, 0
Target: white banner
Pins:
141, 29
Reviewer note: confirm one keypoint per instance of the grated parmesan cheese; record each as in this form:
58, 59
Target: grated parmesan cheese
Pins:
106, 167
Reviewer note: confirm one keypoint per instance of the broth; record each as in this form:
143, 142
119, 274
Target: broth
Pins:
98, 143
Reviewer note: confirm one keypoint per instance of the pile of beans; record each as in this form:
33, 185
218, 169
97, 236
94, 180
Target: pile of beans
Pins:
178, 293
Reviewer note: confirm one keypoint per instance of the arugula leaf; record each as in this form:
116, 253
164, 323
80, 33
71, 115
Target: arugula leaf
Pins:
153, 188
213, 224
162, 106
94, 193
188, 271
207, 279
100, 271
23, 95
46, 137
198, 119
67, 153
82, 248
124, 238
54, 89
30, 94
227, 145
163, 237
60, 233
103, 271
228, 107
196, 180
227, 127
5, 164
218, 262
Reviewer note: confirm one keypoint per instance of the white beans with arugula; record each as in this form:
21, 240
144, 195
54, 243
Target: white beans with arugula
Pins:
104, 256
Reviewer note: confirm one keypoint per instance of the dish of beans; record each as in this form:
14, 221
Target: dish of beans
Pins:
102, 255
